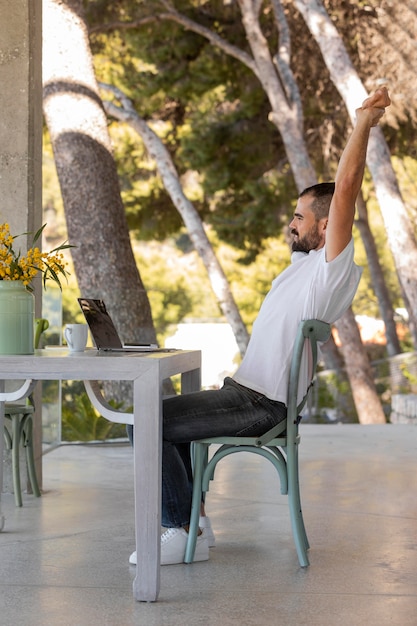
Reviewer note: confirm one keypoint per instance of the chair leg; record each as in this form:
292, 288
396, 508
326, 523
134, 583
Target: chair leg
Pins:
199, 456
30, 459
15, 460
7, 439
297, 494
296, 516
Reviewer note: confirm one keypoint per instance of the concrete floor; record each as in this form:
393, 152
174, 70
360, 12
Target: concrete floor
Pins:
64, 557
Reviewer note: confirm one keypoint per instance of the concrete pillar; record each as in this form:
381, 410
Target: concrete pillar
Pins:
21, 114
21, 130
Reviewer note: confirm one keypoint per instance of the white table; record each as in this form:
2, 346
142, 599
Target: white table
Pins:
147, 371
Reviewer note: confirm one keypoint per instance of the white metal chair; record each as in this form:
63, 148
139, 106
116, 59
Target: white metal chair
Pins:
279, 445
101, 405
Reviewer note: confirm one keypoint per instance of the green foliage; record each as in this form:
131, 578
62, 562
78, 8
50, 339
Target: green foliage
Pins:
176, 283
250, 283
332, 391
408, 375
80, 420
406, 171
365, 301
149, 209
212, 115
179, 289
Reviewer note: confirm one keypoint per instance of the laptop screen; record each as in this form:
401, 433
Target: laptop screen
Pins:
102, 329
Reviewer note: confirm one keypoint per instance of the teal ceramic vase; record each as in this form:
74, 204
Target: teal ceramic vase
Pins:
17, 317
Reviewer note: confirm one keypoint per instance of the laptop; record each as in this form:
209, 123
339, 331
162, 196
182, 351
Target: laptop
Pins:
103, 330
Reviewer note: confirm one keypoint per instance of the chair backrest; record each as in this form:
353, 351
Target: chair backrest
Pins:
309, 333
101, 405
313, 331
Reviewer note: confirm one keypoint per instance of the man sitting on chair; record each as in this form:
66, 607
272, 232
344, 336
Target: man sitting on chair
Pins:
319, 284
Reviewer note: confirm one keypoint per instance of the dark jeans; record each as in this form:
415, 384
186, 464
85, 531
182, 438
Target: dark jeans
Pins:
233, 410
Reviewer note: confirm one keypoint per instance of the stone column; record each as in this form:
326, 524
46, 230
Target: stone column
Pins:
21, 133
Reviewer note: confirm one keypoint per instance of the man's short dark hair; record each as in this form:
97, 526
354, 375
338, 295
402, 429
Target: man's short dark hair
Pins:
322, 194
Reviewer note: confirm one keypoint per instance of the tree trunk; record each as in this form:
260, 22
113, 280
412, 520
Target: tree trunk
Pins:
334, 361
96, 222
361, 378
190, 216
286, 110
103, 258
378, 281
398, 225
412, 326
332, 356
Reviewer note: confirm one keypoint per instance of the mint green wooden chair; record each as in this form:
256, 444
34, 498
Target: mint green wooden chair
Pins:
279, 445
21, 431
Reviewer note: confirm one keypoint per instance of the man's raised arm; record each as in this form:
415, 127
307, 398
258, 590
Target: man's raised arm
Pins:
350, 174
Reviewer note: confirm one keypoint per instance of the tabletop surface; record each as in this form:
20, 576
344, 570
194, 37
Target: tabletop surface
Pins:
59, 363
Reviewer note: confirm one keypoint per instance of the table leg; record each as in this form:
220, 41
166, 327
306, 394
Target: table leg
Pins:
191, 381
147, 400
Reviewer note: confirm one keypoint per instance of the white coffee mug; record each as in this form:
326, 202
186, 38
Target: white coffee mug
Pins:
76, 336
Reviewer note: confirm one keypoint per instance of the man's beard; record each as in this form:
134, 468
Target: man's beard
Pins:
310, 241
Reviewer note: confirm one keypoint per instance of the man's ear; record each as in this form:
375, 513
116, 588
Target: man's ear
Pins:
325, 222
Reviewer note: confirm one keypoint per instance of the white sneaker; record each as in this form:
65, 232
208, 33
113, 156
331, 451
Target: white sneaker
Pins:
205, 525
173, 544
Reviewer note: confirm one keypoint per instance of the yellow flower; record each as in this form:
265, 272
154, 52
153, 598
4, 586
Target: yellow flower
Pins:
13, 266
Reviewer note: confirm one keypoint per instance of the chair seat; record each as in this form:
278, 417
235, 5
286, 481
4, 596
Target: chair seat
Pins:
18, 409
244, 441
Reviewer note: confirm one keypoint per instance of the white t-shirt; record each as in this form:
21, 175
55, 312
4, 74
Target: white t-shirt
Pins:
310, 288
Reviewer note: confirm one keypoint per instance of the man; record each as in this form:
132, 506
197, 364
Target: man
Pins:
320, 283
